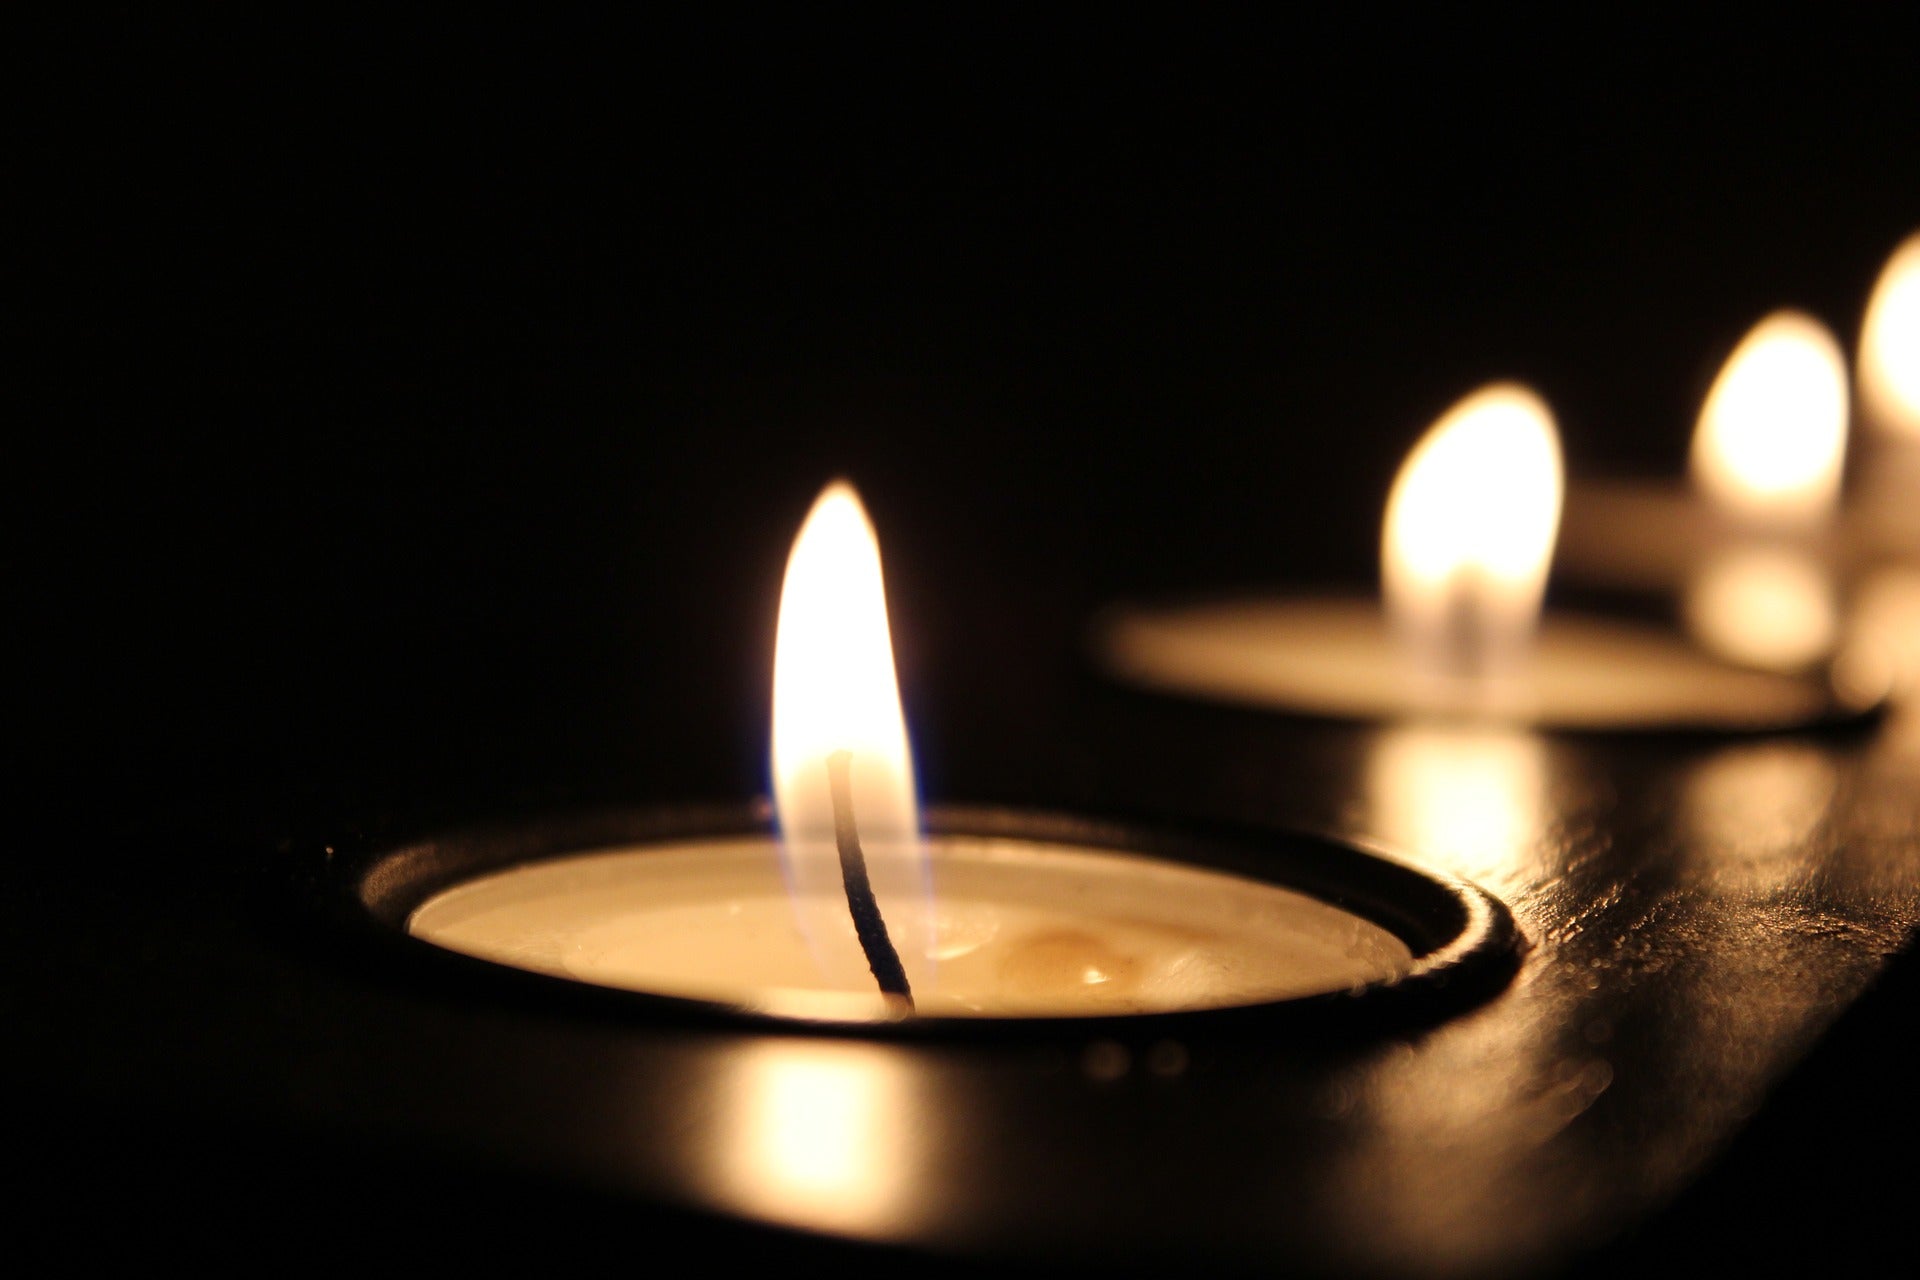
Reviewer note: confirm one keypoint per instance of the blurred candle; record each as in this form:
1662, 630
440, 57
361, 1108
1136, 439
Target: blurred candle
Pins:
1767, 455
1889, 361
1764, 475
1771, 435
1887, 379
1468, 533
1459, 631
1884, 608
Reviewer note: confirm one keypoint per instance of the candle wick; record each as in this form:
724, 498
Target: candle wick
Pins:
1467, 639
865, 908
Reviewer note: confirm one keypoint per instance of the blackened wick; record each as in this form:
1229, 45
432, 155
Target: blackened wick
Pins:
867, 922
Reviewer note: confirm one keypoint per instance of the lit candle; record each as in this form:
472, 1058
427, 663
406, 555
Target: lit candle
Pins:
1460, 632
1767, 455
1890, 344
855, 914
1783, 431
1887, 383
1750, 543
1884, 511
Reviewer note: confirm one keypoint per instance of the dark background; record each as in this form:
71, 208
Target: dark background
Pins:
406, 404
416, 416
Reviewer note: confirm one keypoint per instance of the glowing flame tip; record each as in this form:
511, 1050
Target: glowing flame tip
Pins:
1772, 432
834, 691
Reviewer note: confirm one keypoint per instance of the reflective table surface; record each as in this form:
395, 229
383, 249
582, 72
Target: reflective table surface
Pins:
1699, 915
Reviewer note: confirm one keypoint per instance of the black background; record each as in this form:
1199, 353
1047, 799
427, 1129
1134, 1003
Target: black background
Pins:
406, 403
416, 415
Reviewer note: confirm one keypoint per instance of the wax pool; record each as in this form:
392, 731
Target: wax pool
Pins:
1021, 929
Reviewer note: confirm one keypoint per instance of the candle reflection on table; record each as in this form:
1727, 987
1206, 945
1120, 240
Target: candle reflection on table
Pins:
1742, 895
1476, 800
1751, 814
1471, 798
819, 1134
1458, 633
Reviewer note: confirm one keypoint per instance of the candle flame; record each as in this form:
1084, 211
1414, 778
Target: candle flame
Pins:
1469, 531
1772, 433
834, 690
1889, 370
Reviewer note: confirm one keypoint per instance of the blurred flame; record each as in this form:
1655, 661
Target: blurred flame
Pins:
834, 689
1772, 433
1889, 372
1469, 530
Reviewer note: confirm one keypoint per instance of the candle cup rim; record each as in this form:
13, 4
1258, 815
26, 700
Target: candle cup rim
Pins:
1464, 941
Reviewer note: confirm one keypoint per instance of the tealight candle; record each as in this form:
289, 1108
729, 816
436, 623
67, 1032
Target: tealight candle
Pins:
1773, 563
1887, 396
1750, 542
1459, 633
1883, 515
854, 914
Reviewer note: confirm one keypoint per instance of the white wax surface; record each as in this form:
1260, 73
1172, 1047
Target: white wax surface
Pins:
1336, 657
1023, 929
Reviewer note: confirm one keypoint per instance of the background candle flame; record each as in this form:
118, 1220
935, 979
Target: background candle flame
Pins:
834, 689
1469, 531
1772, 432
1768, 452
1889, 366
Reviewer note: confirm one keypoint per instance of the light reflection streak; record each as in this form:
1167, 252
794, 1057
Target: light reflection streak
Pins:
1754, 811
1472, 797
819, 1134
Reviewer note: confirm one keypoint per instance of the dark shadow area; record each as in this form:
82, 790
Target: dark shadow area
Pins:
409, 420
